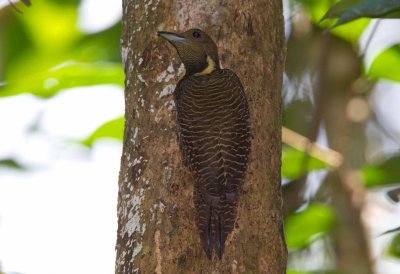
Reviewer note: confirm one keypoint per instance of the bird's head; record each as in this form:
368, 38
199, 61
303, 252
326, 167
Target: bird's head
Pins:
196, 49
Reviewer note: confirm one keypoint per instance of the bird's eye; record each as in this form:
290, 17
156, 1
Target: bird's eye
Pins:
196, 34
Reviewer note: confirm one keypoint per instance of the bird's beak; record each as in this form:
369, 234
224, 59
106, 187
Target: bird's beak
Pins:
172, 37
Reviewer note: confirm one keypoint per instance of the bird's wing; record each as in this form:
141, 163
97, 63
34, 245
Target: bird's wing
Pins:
214, 134
214, 130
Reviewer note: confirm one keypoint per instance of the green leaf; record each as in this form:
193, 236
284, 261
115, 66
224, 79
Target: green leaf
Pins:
341, 7
349, 10
317, 9
307, 226
394, 247
112, 129
52, 25
11, 164
351, 31
386, 65
68, 75
387, 172
44, 56
99, 46
293, 163
28, 71
14, 40
291, 271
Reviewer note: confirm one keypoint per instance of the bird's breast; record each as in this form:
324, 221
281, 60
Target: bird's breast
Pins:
206, 97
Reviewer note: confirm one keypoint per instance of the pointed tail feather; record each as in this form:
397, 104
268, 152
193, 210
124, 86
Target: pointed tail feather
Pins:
213, 235
208, 243
220, 240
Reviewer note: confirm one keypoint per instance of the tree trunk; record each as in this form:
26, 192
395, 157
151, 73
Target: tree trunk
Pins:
156, 221
352, 249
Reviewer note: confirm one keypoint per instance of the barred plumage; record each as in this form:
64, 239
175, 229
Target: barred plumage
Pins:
214, 133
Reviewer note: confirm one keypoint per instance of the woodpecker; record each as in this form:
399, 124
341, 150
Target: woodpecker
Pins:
214, 134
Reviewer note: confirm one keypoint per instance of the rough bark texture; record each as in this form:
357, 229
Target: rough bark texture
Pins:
156, 224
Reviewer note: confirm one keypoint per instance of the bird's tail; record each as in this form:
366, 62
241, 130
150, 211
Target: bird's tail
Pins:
215, 219
213, 231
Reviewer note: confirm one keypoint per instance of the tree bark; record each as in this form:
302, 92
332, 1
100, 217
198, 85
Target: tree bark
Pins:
156, 222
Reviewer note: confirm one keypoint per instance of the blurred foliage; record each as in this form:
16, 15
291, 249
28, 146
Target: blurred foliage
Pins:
68, 75
296, 163
298, 113
385, 173
317, 9
349, 10
346, 20
386, 65
44, 56
11, 164
112, 129
394, 247
26, 2
304, 227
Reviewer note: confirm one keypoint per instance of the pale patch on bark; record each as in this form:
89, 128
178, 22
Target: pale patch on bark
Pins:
124, 54
135, 161
157, 239
135, 133
167, 90
134, 216
137, 249
166, 75
140, 77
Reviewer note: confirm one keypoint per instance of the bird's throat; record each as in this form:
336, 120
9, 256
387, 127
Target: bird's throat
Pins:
210, 67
